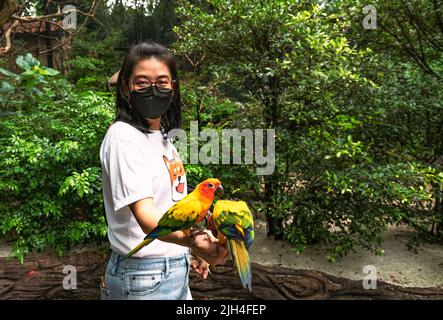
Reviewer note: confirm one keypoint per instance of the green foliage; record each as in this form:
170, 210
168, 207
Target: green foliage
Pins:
356, 128
143, 20
87, 73
27, 83
50, 171
93, 60
357, 113
214, 111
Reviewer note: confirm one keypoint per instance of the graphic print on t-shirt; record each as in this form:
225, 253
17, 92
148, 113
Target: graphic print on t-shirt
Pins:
177, 174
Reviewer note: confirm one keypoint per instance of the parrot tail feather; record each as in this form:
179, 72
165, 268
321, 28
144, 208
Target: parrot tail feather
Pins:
240, 257
140, 246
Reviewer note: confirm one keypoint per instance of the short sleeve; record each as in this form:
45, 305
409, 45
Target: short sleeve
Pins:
129, 173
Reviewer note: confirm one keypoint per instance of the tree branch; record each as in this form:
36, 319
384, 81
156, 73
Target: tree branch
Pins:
47, 19
410, 50
438, 15
72, 35
42, 20
421, 25
8, 38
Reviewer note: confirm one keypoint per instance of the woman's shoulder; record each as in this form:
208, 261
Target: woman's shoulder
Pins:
124, 136
120, 130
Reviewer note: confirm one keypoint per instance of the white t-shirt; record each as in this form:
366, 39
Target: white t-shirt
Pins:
137, 165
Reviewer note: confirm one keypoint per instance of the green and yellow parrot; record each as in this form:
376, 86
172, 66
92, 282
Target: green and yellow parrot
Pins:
232, 222
185, 213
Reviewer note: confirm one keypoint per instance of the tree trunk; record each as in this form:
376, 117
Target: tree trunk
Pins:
275, 225
7, 9
271, 116
49, 54
41, 277
278, 283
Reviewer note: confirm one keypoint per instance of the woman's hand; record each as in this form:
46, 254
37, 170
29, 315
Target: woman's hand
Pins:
200, 266
206, 247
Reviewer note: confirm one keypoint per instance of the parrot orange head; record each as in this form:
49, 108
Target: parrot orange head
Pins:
208, 188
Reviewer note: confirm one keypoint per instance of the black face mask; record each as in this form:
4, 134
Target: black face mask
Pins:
151, 103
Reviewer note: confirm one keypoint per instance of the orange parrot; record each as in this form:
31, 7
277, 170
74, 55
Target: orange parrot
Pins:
185, 213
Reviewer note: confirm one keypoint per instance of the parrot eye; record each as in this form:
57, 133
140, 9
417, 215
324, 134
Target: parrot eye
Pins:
210, 185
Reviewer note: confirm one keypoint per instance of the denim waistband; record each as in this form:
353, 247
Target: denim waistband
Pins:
148, 263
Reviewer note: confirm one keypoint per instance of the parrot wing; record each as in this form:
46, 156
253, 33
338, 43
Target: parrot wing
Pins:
234, 220
182, 215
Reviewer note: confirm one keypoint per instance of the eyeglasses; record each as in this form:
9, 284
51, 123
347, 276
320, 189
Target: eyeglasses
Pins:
162, 85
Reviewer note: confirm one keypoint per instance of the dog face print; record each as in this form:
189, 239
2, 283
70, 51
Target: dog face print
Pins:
177, 174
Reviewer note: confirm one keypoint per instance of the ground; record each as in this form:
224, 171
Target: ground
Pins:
278, 273
398, 265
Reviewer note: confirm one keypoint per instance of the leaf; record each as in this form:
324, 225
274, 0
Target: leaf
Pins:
31, 60
8, 73
36, 91
27, 62
6, 87
350, 139
28, 74
49, 71
20, 61
30, 84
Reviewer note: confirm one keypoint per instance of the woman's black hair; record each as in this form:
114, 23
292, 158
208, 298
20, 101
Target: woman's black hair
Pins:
145, 50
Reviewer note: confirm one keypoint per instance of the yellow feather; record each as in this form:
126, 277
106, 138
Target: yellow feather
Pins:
242, 262
139, 247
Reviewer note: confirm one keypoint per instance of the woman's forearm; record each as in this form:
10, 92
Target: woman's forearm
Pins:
200, 245
147, 216
178, 237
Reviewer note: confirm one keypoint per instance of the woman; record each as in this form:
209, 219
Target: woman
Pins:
143, 177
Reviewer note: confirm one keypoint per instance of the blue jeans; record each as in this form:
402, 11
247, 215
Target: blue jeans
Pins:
158, 278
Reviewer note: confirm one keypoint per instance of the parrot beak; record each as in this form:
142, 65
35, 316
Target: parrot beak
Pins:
220, 190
